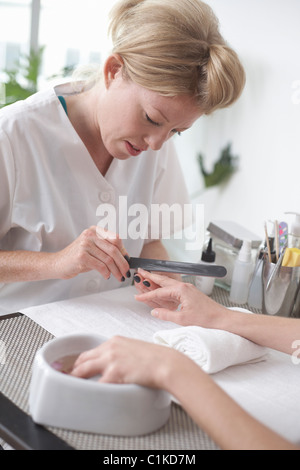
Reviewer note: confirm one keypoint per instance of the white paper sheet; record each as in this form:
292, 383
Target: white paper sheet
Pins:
269, 390
109, 313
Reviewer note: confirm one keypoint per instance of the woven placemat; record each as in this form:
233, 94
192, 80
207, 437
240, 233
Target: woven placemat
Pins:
22, 338
221, 296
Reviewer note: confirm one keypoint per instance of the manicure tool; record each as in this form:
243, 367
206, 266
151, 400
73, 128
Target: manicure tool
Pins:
177, 267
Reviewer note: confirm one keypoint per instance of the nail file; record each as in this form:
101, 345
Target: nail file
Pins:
177, 267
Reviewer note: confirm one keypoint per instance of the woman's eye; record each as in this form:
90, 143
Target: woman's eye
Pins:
151, 121
174, 131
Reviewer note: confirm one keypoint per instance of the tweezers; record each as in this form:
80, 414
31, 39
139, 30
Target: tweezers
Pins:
177, 267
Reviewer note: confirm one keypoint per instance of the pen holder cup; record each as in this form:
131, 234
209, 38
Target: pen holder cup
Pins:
281, 290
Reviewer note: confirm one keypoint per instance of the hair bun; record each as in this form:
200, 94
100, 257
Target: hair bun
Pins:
174, 47
225, 76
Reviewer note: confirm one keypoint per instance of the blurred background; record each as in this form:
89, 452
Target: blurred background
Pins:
242, 163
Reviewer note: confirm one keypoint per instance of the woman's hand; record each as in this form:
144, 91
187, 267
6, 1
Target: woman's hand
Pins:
97, 249
126, 360
144, 284
178, 302
154, 250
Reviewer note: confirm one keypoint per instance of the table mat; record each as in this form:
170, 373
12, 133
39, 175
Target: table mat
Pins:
22, 338
221, 295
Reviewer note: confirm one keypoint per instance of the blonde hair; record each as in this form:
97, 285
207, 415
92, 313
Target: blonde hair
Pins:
174, 47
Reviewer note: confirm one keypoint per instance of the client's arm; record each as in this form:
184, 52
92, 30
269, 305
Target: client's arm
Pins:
197, 309
124, 360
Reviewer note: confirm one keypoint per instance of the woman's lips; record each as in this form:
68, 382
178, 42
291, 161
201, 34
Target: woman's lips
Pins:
134, 151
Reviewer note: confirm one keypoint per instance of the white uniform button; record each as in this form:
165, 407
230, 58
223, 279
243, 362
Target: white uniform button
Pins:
92, 285
105, 196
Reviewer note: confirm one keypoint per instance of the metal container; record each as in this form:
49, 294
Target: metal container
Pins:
281, 290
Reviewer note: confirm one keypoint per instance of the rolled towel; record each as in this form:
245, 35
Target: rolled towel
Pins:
213, 350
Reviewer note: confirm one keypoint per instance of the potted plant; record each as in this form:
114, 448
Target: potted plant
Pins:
22, 81
223, 168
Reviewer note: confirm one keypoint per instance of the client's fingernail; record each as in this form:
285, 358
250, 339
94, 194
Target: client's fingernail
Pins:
128, 274
137, 278
127, 258
146, 283
122, 278
154, 313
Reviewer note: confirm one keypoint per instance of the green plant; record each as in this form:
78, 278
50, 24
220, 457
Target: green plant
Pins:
222, 170
22, 81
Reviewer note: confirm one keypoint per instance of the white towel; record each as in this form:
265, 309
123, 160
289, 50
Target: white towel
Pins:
213, 350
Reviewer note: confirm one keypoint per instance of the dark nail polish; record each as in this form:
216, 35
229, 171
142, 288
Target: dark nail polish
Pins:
146, 283
137, 278
122, 278
127, 258
128, 274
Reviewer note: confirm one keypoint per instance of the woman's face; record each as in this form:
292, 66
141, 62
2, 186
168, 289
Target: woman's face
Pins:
133, 119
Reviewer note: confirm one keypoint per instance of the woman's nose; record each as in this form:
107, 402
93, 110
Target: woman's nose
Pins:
156, 140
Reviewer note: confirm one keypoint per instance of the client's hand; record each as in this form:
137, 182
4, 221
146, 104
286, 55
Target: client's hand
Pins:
126, 360
179, 302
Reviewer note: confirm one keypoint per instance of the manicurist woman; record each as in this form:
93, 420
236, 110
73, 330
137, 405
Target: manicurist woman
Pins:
66, 151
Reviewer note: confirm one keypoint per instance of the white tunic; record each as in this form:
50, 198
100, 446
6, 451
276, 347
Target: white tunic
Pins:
51, 190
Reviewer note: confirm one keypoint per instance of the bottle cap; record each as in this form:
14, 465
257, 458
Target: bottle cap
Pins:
208, 256
245, 251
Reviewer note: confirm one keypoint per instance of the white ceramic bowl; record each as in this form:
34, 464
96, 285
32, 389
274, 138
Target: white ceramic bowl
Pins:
60, 400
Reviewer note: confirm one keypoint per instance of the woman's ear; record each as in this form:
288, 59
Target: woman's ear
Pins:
112, 68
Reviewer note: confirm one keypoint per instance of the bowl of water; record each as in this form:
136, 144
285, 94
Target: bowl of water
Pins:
58, 399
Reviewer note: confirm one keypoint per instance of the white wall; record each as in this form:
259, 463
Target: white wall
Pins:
264, 126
